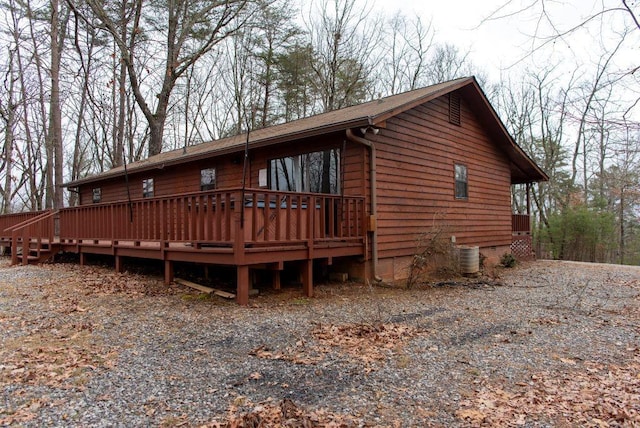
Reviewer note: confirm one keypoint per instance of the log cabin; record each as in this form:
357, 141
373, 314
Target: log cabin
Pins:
352, 189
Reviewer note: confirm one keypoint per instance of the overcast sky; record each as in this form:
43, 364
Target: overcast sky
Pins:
496, 45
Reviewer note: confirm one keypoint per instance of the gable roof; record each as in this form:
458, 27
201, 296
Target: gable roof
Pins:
523, 168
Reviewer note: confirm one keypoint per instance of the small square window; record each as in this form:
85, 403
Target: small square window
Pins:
147, 188
97, 195
208, 179
462, 191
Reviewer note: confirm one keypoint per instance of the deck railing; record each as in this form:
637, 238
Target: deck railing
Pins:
218, 217
8, 221
34, 232
521, 224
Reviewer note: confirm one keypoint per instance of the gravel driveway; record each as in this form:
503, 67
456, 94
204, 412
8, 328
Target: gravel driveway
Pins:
543, 344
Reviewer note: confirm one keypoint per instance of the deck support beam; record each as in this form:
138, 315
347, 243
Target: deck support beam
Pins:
83, 259
307, 277
168, 272
275, 269
119, 265
242, 291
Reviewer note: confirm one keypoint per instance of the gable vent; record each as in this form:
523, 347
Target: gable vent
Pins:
454, 108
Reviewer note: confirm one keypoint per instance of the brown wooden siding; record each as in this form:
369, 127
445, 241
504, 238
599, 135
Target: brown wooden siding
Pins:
416, 155
186, 178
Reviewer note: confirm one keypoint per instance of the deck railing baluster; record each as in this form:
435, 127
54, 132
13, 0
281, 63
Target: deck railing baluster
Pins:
170, 219
287, 225
266, 217
299, 217
202, 206
278, 217
254, 216
210, 217
216, 218
227, 217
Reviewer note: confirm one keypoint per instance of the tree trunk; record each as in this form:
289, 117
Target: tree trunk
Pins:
10, 119
118, 149
156, 131
54, 145
622, 243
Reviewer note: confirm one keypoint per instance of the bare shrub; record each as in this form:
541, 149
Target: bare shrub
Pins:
434, 254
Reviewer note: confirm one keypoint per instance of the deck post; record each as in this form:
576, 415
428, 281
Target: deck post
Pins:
307, 277
276, 279
83, 258
276, 268
14, 248
242, 291
168, 272
26, 247
119, 267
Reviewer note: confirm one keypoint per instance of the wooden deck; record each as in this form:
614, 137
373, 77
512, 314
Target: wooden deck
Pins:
245, 229
255, 228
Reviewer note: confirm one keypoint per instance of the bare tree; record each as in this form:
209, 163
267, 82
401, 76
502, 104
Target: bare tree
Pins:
31, 162
8, 113
448, 63
189, 30
407, 45
549, 29
592, 89
343, 38
54, 143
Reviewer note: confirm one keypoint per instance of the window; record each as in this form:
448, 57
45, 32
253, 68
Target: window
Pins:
147, 188
461, 182
317, 172
97, 195
208, 179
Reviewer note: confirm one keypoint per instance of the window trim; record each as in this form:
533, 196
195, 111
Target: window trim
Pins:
456, 194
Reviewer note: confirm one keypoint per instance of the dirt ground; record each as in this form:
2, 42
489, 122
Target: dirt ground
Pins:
543, 344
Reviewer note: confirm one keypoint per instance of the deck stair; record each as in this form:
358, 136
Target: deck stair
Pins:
39, 253
32, 241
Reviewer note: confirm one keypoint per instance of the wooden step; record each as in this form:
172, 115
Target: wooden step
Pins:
34, 256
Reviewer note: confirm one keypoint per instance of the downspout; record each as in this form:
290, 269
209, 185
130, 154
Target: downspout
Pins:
374, 201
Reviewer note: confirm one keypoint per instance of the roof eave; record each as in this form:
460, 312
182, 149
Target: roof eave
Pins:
307, 133
515, 153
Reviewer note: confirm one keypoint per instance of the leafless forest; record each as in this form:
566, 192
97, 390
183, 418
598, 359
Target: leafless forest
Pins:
88, 85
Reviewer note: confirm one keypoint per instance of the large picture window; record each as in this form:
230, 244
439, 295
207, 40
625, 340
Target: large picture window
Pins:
317, 172
462, 191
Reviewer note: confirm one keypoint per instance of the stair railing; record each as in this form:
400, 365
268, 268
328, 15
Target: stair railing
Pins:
36, 230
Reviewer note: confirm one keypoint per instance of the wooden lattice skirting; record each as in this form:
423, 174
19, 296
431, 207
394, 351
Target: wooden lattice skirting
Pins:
522, 247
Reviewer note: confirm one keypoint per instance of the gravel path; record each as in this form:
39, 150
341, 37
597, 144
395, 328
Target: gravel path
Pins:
84, 346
